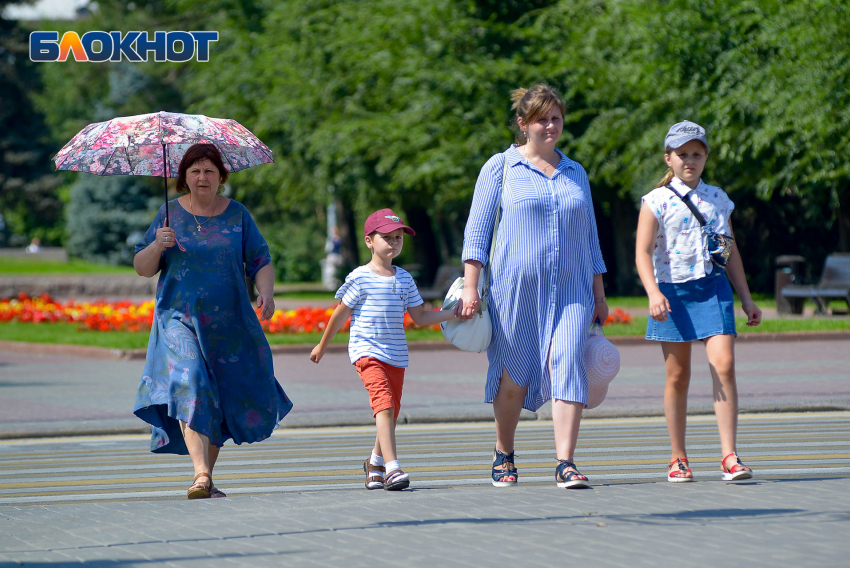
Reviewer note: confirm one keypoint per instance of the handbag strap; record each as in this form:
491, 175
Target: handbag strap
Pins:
486, 290
687, 201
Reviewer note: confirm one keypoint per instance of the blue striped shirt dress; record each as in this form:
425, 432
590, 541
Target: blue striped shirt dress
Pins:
541, 284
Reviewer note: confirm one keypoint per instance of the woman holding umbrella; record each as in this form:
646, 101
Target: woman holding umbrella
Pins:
209, 374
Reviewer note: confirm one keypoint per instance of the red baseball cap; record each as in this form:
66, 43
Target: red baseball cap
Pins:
385, 221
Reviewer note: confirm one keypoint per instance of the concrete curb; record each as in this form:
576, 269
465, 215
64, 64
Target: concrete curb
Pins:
140, 354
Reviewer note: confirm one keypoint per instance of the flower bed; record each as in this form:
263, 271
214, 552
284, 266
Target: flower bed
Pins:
619, 316
96, 316
130, 316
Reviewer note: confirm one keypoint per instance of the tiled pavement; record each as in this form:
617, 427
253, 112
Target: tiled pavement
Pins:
297, 500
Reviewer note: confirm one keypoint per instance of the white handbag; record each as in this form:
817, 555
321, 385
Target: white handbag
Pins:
602, 362
474, 334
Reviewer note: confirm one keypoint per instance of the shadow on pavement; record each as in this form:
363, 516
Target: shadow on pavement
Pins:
138, 561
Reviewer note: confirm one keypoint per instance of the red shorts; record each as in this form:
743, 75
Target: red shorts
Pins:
384, 383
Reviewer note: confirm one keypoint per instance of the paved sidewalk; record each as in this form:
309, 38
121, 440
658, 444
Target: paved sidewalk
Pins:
56, 395
297, 500
798, 522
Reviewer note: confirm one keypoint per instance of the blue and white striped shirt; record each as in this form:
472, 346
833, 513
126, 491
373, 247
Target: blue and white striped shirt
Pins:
541, 295
378, 305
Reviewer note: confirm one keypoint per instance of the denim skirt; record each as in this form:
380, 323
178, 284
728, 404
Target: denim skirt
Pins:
699, 309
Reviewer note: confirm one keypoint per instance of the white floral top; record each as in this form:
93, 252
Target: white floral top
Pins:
681, 247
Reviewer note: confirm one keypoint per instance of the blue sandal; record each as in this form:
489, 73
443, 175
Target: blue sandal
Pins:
509, 470
570, 479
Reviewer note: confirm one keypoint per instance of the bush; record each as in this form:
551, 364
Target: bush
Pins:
296, 247
107, 216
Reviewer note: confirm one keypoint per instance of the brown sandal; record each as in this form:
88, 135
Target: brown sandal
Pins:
200, 490
373, 479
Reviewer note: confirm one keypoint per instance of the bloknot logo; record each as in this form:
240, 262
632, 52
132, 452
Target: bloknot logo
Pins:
98, 47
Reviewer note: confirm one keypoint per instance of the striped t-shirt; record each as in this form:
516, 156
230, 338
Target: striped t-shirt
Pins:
378, 305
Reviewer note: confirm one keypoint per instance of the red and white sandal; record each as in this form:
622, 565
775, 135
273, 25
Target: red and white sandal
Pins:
736, 472
681, 473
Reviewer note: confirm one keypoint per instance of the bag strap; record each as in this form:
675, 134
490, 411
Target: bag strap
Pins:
486, 290
687, 201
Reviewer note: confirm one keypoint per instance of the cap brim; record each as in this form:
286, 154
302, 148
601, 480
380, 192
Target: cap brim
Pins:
390, 227
678, 142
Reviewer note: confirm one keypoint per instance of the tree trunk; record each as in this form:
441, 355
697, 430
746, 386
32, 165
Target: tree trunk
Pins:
843, 218
426, 252
624, 226
348, 233
445, 239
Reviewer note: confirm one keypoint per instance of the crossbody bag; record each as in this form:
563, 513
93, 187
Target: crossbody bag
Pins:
719, 245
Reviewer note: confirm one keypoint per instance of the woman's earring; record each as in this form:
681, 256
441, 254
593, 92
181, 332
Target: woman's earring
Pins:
220, 188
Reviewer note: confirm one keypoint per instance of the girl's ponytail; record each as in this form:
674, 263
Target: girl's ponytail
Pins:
668, 177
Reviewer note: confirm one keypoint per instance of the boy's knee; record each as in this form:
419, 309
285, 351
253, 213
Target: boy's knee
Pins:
389, 411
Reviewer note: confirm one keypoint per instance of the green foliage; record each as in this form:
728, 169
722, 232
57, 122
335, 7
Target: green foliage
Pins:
295, 249
29, 203
396, 103
107, 216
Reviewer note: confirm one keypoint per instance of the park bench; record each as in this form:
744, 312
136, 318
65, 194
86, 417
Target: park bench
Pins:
834, 284
446, 275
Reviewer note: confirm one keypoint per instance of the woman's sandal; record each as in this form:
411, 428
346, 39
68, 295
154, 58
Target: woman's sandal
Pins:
374, 475
508, 471
678, 471
396, 480
570, 479
200, 490
736, 472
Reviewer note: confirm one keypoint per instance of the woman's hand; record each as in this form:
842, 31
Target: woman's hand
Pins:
469, 303
266, 302
753, 313
659, 306
165, 237
600, 311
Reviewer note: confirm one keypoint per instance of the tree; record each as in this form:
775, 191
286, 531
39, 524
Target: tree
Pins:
390, 103
107, 216
29, 202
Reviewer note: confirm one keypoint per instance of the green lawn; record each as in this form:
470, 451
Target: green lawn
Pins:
70, 334
16, 266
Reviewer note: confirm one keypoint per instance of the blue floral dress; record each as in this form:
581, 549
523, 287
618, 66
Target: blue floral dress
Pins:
208, 361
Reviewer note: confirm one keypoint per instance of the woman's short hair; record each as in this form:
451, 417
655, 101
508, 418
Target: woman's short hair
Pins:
531, 104
196, 153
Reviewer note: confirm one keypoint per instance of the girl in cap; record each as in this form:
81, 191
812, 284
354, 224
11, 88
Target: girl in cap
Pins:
681, 266
376, 296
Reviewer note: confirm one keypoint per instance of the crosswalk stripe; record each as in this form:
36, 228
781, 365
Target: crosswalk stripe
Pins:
104, 468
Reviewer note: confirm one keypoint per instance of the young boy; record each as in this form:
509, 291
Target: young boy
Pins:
376, 296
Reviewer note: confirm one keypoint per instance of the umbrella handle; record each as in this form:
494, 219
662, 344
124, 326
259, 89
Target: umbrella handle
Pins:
165, 181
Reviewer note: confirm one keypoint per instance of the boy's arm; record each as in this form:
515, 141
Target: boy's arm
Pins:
341, 313
424, 318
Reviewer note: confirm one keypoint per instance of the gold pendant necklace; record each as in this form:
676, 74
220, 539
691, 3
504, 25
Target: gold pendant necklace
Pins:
192, 211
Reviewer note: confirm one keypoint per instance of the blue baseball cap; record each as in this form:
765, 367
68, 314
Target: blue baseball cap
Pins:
683, 132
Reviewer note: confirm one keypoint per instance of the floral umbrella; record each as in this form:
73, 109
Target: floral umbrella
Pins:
153, 145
